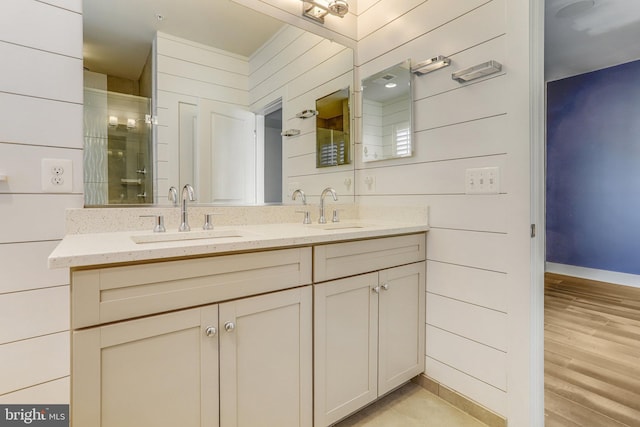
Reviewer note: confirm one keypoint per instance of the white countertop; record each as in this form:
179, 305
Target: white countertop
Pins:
79, 250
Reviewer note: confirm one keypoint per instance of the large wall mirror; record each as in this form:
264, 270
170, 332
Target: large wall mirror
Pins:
387, 113
198, 93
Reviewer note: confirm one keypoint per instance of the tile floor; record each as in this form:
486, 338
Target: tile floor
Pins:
410, 406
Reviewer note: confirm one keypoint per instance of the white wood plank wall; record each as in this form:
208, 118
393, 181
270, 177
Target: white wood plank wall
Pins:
456, 126
188, 71
298, 67
41, 110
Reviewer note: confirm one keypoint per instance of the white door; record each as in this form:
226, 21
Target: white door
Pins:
227, 154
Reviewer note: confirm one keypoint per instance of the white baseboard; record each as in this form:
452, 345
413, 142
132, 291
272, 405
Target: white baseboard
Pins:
594, 274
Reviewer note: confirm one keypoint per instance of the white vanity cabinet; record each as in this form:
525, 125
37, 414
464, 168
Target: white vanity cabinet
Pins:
245, 361
369, 328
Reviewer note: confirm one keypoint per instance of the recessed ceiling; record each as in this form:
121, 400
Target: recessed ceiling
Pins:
588, 35
118, 33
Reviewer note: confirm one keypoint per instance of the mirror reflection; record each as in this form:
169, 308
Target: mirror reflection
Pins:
219, 96
333, 129
386, 114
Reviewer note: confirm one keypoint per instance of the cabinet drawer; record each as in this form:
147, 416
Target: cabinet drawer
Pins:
350, 258
116, 293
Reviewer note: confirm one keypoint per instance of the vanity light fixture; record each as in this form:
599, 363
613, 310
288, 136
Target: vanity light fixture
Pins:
306, 114
390, 85
290, 132
131, 123
430, 65
477, 71
113, 121
318, 9
150, 120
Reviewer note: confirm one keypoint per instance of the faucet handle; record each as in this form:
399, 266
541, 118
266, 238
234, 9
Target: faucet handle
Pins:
159, 227
336, 216
307, 218
208, 220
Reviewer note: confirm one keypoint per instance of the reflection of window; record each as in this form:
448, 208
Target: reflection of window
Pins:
331, 148
402, 144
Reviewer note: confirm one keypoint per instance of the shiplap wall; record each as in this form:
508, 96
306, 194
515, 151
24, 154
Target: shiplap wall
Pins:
41, 110
298, 67
380, 122
474, 284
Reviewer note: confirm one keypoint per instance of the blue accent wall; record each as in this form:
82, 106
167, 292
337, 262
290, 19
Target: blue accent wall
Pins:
593, 170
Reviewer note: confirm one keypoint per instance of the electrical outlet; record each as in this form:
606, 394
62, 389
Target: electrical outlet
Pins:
482, 180
57, 175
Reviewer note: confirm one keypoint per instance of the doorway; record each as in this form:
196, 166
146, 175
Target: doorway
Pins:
273, 157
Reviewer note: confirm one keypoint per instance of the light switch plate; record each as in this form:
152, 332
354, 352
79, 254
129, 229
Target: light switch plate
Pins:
482, 180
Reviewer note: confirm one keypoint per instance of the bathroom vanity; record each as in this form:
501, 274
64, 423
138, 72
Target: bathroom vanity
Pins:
264, 325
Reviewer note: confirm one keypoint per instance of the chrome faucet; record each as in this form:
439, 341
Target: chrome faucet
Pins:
300, 193
187, 191
294, 196
173, 195
322, 219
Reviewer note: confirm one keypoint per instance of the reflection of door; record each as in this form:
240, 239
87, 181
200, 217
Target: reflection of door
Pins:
226, 152
273, 157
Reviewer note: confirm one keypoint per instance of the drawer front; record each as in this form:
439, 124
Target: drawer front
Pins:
350, 258
116, 293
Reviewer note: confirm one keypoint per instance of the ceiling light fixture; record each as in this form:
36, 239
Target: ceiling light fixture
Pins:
318, 9
430, 65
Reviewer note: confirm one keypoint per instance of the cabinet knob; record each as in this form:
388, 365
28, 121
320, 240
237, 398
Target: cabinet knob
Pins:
211, 331
385, 286
376, 289
229, 326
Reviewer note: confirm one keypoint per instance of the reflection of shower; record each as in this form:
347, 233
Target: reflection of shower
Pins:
117, 154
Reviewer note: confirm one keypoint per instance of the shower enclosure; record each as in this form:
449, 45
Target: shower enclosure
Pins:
117, 148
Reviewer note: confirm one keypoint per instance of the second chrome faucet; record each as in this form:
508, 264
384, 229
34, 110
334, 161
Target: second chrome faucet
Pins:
187, 191
323, 219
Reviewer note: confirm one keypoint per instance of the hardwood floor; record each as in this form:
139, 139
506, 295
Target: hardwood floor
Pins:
592, 353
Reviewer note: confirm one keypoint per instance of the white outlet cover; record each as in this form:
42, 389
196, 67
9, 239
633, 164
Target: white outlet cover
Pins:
57, 175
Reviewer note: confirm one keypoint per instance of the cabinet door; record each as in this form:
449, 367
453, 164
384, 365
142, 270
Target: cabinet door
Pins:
401, 325
159, 371
266, 360
346, 343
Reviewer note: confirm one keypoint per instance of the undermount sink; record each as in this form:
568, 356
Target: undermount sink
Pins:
338, 226
187, 235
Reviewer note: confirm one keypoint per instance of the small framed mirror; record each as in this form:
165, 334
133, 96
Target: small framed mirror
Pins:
333, 123
387, 114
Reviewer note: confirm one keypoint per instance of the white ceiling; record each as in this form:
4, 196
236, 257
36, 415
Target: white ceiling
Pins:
118, 33
604, 35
